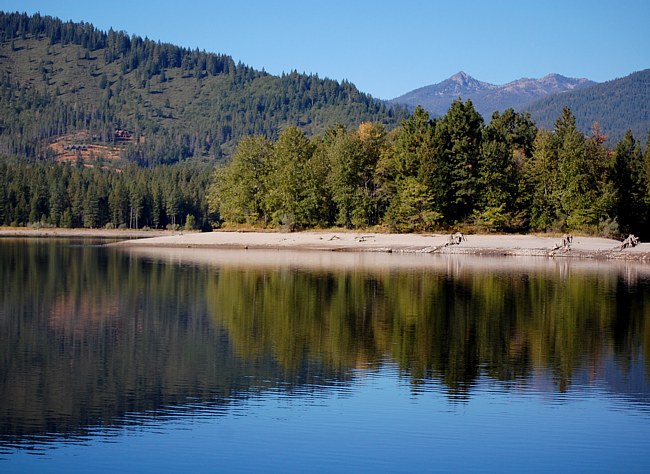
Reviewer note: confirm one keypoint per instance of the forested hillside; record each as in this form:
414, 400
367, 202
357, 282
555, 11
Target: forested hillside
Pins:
65, 86
618, 105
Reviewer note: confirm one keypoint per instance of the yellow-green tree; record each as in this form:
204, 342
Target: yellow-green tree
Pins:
238, 189
291, 198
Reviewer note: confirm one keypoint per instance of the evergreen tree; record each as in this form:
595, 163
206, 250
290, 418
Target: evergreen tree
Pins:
3, 195
542, 182
58, 200
91, 208
507, 143
412, 167
412, 207
646, 164
575, 187
119, 203
631, 187
458, 136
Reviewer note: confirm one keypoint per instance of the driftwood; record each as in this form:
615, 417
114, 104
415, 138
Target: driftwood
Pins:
456, 239
567, 239
631, 241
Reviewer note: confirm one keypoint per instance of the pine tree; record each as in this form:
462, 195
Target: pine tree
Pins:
411, 166
631, 187
507, 142
458, 136
542, 182
91, 208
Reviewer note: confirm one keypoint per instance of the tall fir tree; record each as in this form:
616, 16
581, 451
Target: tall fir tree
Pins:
631, 186
459, 135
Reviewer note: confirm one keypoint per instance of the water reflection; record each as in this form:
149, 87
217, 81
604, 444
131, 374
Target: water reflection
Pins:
100, 339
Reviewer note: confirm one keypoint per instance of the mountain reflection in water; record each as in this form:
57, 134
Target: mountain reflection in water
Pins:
97, 338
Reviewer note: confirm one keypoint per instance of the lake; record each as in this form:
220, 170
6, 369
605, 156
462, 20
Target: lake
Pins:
165, 360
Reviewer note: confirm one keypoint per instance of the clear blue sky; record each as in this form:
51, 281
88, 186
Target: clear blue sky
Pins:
389, 48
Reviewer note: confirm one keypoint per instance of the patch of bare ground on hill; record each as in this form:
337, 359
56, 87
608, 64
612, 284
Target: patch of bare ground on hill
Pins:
335, 241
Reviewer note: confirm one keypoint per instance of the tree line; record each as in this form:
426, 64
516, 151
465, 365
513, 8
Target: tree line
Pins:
46, 194
431, 174
454, 172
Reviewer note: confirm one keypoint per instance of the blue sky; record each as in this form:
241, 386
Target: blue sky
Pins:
390, 48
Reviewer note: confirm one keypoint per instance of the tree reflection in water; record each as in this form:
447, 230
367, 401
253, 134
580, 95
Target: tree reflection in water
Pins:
92, 334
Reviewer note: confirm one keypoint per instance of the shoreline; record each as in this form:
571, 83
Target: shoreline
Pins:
20, 232
515, 245
344, 241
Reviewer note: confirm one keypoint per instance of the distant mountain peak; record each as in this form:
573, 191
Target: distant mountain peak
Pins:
487, 97
460, 84
465, 80
461, 76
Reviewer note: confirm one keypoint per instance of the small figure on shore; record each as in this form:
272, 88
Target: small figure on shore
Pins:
631, 241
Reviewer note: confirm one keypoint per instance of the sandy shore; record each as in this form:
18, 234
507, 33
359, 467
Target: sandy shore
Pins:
484, 244
492, 245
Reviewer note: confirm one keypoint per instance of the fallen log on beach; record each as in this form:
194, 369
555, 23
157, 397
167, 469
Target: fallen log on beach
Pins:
631, 241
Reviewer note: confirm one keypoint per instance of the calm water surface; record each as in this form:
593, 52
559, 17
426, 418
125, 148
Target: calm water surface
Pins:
118, 360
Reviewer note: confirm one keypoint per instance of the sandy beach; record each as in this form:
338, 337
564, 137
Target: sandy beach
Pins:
344, 241
485, 244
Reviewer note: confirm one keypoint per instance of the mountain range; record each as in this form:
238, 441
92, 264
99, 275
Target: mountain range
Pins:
487, 97
617, 105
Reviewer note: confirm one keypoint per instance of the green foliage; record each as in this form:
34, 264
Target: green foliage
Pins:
458, 135
412, 170
190, 222
542, 182
291, 199
177, 102
238, 191
353, 158
493, 218
569, 175
69, 196
506, 146
412, 208
630, 186
428, 175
